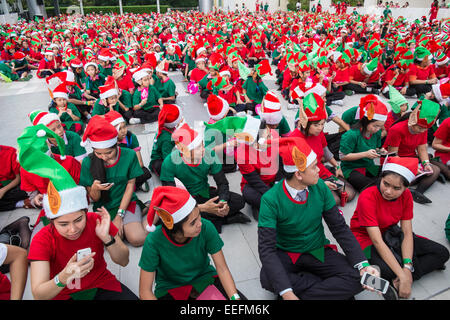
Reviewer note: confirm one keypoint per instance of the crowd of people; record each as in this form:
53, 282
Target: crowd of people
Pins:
105, 72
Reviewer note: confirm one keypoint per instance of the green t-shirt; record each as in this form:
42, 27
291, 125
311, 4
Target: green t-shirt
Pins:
73, 147
179, 265
298, 224
194, 178
191, 63
126, 168
100, 109
93, 85
152, 99
283, 127
162, 146
352, 141
132, 141
105, 72
204, 82
166, 89
127, 99
255, 92
76, 94
66, 118
349, 116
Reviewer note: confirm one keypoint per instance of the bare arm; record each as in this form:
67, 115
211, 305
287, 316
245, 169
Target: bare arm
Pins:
145, 285
224, 273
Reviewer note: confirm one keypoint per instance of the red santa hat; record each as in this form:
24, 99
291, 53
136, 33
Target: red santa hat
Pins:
90, 63
171, 204
108, 89
104, 55
296, 153
186, 138
57, 86
169, 116
440, 91
99, 133
76, 63
141, 73
217, 107
271, 109
115, 118
405, 166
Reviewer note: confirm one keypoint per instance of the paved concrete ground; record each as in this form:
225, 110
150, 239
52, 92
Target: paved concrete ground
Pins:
241, 248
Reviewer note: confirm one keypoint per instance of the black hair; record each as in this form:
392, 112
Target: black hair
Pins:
403, 179
98, 172
362, 125
177, 228
305, 131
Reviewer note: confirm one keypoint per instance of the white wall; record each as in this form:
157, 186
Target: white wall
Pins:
251, 4
410, 14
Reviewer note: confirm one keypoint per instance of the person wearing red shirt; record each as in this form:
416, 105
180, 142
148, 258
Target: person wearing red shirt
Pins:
15, 258
48, 65
200, 71
421, 72
397, 76
408, 138
364, 79
341, 73
375, 222
11, 196
441, 145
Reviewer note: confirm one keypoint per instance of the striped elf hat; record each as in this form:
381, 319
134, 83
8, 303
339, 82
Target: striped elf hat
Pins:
171, 204
45, 118
442, 59
263, 68
396, 99
217, 83
371, 66
271, 108
296, 153
441, 91
63, 195
245, 129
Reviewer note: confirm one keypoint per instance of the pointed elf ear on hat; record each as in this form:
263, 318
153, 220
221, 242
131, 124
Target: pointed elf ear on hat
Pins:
165, 216
299, 159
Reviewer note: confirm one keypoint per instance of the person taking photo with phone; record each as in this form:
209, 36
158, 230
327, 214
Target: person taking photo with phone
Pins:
402, 256
55, 272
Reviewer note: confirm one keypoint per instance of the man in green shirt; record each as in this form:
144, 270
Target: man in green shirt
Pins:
297, 261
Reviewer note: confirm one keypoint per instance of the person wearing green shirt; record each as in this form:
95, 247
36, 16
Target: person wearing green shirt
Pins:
67, 113
168, 119
254, 91
93, 80
109, 174
192, 163
176, 254
165, 86
147, 101
297, 259
361, 145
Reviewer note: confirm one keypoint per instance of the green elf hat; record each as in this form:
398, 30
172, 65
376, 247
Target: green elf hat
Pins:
371, 67
421, 53
215, 61
217, 83
244, 72
63, 195
245, 129
425, 114
396, 99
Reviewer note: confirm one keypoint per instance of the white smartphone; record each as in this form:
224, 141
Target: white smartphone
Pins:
106, 184
83, 253
376, 283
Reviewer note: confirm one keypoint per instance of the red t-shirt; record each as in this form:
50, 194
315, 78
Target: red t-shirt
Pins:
419, 73
444, 70
372, 210
249, 160
401, 80
342, 75
49, 245
9, 166
45, 64
317, 144
391, 118
6, 56
230, 95
356, 74
407, 143
443, 133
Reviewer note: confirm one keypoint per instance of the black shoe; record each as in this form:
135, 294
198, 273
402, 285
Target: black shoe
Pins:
238, 218
419, 197
391, 294
375, 91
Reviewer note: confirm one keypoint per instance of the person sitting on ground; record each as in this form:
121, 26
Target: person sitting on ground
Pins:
147, 101
402, 256
176, 253
441, 145
16, 259
297, 261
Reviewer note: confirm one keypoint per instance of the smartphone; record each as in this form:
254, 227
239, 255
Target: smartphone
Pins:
83, 253
338, 184
106, 184
376, 283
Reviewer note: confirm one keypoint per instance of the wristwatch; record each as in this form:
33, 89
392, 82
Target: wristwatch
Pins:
409, 266
110, 242
121, 213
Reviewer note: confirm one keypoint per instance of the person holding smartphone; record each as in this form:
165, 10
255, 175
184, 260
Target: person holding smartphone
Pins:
408, 138
402, 256
312, 118
297, 259
109, 163
176, 253
55, 272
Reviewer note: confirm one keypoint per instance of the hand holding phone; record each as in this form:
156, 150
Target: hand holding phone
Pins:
375, 283
83, 253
